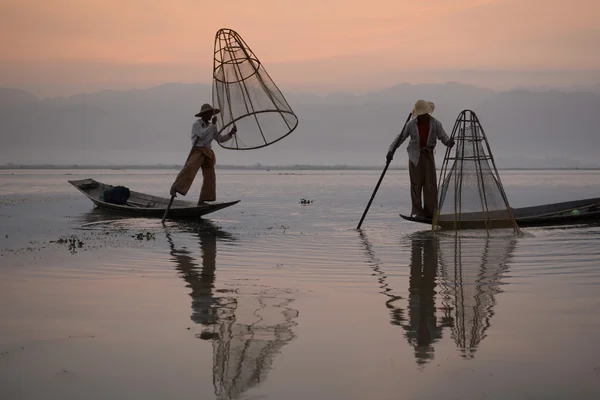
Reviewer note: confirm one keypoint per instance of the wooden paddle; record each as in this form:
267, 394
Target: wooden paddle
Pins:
387, 164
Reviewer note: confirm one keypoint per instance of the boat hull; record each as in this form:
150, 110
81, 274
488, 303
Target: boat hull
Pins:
554, 214
144, 205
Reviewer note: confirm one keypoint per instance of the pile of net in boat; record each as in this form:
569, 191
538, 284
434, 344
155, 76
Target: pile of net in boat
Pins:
471, 194
247, 96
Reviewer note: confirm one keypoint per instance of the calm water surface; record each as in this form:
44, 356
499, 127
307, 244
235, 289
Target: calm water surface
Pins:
271, 299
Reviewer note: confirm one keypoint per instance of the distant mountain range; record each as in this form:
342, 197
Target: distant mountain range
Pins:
527, 128
10, 97
566, 89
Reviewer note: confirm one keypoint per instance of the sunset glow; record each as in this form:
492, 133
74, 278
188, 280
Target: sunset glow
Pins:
79, 44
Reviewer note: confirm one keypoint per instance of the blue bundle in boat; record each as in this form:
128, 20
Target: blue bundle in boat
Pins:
116, 195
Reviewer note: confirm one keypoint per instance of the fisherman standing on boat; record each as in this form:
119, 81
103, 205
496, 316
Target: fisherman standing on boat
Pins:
204, 131
424, 131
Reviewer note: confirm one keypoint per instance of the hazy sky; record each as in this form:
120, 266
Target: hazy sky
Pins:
66, 46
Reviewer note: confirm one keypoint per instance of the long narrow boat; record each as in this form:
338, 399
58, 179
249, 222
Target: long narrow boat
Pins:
146, 205
565, 213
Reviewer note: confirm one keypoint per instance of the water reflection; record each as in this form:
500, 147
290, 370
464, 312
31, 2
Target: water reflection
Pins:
422, 329
392, 302
247, 324
471, 270
460, 274
206, 306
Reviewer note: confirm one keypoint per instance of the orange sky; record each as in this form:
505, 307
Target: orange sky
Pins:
73, 45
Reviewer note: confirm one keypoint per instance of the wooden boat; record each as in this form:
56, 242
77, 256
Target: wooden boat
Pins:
146, 205
566, 213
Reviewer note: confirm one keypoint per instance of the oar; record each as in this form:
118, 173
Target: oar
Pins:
387, 164
173, 197
167, 210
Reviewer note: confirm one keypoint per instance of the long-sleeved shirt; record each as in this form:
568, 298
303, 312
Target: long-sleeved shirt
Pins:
436, 131
206, 133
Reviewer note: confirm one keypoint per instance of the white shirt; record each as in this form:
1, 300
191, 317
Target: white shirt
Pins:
436, 131
205, 133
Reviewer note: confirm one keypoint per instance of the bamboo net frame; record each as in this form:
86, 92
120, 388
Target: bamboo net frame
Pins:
471, 192
247, 96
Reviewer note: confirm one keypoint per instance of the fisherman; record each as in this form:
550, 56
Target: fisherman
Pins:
204, 131
424, 131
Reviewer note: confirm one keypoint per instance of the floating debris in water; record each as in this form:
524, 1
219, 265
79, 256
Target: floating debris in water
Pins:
146, 235
73, 242
305, 201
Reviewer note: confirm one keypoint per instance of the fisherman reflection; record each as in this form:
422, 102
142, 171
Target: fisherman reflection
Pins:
205, 305
418, 318
422, 328
460, 274
247, 325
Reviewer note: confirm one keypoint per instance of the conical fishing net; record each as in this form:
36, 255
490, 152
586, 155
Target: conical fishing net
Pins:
247, 96
471, 192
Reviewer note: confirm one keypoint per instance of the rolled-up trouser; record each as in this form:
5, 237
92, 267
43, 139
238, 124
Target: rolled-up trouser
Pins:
204, 158
423, 179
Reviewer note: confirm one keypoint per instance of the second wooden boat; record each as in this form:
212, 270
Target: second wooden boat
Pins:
564, 213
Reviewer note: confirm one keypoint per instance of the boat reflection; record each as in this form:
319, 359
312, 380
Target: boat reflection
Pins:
453, 285
247, 324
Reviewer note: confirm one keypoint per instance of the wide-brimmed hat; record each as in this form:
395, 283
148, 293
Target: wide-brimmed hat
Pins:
423, 107
207, 108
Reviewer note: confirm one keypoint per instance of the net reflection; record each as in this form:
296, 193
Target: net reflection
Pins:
453, 285
247, 324
471, 269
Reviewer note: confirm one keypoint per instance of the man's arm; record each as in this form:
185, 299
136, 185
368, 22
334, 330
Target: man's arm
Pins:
200, 132
397, 142
223, 137
441, 134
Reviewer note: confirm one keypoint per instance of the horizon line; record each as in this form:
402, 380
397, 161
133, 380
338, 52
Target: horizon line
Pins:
14, 167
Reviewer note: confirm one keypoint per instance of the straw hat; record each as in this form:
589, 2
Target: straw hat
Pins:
207, 108
423, 107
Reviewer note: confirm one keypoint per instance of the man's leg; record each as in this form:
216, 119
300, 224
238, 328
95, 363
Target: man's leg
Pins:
416, 186
186, 176
428, 330
430, 195
209, 184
